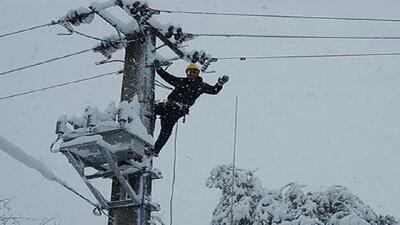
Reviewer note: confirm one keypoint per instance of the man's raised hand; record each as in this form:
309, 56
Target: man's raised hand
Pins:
222, 80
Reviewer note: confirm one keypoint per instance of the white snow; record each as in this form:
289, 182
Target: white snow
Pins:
125, 28
135, 125
83, 139
253, 204
74, 13
107, 119
102, 6
29, 161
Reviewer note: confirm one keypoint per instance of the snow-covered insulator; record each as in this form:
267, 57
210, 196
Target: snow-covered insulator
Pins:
195, 57
180, 41
207, 64
179, 33
109, 46
103, 49
183, 38
202, 58
61, 125
123, 115
119, 3
91, 120
170, 32
144, 9
134, 8
147, 16
79, 16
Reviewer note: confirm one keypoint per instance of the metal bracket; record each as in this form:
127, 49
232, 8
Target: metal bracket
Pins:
74, 161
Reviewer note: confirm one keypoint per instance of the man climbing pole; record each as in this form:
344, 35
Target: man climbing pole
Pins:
186, 91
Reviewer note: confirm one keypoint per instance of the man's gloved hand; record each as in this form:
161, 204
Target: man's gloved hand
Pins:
222, 80
156, 64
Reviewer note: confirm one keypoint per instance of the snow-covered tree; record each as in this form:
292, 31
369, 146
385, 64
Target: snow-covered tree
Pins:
255, 205
7, 217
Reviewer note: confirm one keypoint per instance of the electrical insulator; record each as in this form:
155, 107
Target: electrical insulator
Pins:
119, 3
143, 9
179, 30
207, 63
133, 9
195, 57
202, 58
91, 120
136, 4
122, 117
145, 18
148, 15
170, 32
205, 66
61, 126
180, 40
179, 33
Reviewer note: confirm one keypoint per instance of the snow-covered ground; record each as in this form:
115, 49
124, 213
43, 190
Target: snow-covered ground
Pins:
319, 122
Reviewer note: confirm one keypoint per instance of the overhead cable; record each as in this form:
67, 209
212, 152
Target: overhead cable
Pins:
280, 16
296, 36
60, 85
308, 56
29, 29
90, 37
45, 62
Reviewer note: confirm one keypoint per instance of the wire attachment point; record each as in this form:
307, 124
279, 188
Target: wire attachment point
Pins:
97, 212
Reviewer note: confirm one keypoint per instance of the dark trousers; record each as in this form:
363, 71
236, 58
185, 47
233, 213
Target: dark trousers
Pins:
169, 114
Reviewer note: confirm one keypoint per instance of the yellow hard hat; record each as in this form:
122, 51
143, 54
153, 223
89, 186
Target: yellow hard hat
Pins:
193, 66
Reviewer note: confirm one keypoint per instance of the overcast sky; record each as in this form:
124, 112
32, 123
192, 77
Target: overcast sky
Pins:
319, 122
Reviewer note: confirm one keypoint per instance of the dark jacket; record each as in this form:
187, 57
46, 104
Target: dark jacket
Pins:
187, 90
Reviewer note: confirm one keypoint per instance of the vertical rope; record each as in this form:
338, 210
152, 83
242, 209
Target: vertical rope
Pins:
234, 155
173, 177
142, 201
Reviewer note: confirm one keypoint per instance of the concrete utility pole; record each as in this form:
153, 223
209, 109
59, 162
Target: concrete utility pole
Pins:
138, 80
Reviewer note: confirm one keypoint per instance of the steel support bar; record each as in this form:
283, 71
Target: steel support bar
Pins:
81, 172
121, 179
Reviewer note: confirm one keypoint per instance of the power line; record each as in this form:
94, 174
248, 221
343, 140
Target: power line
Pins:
29, 29
309, 56
296, 36
45, 62
280, 16
90, 36
60, 85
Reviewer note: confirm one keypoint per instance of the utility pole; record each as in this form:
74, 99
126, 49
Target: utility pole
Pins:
138, 80
131, 202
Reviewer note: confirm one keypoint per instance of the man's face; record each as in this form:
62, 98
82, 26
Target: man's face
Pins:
192, 73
